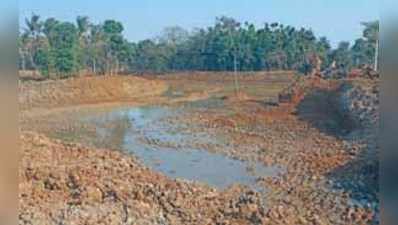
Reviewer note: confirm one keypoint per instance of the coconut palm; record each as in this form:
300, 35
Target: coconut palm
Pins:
31, 37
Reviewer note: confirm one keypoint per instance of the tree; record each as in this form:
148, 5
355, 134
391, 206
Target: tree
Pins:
115, 45
151, 57
43, 59
83, 26
96, 48
362, 52
23, 51
365, 49
342, 56
33, 26
112, 27
31, 38
371, 31
49, 25
323, 49
371, 34
174, 36
64, 46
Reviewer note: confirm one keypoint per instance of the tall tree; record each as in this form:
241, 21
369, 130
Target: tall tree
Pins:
97, 48
83, 26
225, 45
31, 37
115, 47
64, 46
371, 34
342, 56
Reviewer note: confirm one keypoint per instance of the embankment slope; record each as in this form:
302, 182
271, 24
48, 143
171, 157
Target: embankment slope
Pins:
87, 90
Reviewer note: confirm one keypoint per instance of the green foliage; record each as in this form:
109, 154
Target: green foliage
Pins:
342, 56
371, 31
49, 25
63, 42
65, 49
151, 57
112, 27
42, 59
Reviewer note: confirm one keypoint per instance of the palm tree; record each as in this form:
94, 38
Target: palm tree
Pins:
83, 25
34, 26
48, 26
371, 33
31, 37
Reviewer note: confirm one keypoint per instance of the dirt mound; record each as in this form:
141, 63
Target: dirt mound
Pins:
349, 110
87, 90
359, 99
296, 91
68, 182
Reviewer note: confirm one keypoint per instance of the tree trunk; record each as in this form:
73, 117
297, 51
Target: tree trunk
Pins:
94, 67
236, 76
376, 56
107, 68
117, 67
22, 54
32, 62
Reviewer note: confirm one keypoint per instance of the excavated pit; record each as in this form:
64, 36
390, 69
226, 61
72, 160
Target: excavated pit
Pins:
147, 133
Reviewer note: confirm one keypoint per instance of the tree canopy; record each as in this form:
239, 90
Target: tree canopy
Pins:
63, 48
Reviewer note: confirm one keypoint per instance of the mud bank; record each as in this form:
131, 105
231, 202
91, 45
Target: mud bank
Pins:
87, 90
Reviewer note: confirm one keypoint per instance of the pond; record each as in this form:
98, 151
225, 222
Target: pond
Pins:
168, 147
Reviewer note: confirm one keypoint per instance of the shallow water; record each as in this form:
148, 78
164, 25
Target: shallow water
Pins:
170, 149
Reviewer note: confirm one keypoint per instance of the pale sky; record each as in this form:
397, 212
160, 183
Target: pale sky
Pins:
338, 20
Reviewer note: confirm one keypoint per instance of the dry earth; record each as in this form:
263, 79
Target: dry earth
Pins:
331, 168
89, 90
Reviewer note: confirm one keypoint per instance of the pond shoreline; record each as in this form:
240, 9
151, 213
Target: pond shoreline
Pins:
311, 190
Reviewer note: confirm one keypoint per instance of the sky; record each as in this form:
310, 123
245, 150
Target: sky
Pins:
338, 20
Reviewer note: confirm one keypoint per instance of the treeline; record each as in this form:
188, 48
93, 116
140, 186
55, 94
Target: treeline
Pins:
61, 49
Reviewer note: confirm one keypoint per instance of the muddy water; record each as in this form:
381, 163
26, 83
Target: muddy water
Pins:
167, 147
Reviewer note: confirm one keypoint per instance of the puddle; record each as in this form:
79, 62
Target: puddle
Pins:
170, 149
